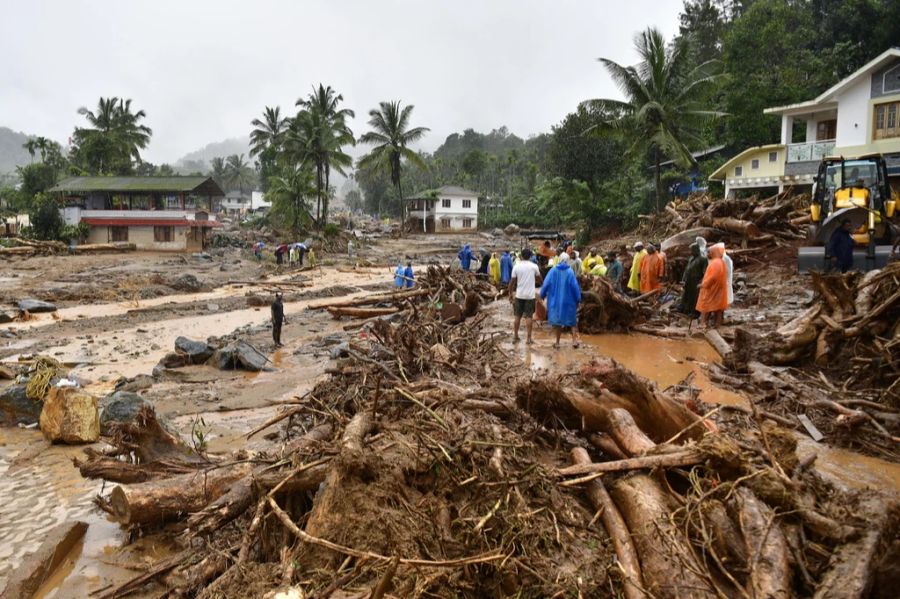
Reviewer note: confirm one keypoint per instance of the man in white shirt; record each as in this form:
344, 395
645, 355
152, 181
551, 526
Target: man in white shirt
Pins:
526, 277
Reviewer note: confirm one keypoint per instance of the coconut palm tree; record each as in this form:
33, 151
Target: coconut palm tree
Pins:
289, 193
391, 136
218, 171
659, 114
238, 172
321, 133
115, 137
268, 132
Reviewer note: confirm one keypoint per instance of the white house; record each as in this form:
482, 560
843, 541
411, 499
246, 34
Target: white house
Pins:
258, 201
236, 202
448, 208
858, 115
154, 213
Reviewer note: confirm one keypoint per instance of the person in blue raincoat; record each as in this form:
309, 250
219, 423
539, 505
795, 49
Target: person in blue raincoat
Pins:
399, 273
466, 255
562, 293
506, 266
408, 273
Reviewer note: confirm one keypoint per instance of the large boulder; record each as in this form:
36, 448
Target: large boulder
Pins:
16, 408
238, 356
121, 406
6, 317
33, 306
187, 282
173, 360
197, 352
70, 416
512, 229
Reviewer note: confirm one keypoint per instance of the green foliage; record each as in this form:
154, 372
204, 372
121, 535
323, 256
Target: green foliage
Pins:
77, 232
331, 230
112, 143
43, 214
290, 193
575, 153
237, 173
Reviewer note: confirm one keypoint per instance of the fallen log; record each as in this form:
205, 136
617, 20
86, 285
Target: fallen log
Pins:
622, 428
616, 529
734, 225
681, 458
722, 347
37, 567
360, 312
767, 549
157, 501
398, 296
850, 569
669, 569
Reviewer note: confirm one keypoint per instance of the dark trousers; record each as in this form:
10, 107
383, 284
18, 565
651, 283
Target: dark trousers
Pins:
276, 332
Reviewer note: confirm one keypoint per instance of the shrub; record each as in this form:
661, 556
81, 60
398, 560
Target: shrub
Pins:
46, 221
331, 230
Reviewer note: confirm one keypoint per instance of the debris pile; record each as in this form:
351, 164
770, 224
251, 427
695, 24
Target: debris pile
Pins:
749, 226
428, 465
33, 247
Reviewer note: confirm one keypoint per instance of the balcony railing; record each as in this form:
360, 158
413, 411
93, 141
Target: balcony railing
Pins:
813, 150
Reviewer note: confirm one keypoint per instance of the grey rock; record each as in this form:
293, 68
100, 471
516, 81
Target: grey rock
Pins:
122, 407
341, 350
34, 306
187, 282
6, 317
238, 356
16, 408
197, 352
173, 360
138, 383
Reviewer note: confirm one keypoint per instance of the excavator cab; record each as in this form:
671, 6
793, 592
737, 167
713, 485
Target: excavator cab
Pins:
855, 189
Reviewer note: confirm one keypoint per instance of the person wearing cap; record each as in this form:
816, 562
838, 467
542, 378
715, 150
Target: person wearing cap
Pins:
634, 279
278, 319
563, 294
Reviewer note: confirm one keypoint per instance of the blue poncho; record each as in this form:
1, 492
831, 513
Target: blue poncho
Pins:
506, 266
465, 257
563, 295
398, 276
408, 273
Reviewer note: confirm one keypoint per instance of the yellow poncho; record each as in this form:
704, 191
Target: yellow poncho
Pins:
494, 268
633, 280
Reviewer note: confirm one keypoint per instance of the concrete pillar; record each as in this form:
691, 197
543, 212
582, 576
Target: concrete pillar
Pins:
787, 129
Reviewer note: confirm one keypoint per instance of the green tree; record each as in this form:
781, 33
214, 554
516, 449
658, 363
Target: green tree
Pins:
44, 217
391, 136
113, 140
289, 193
659, 115
321, 132
238, 173
268, 132
574, 154
218, 171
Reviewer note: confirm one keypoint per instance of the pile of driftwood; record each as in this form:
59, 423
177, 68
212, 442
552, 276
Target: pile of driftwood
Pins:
604, 310
33, 247
458, 295
429, 465
747, 226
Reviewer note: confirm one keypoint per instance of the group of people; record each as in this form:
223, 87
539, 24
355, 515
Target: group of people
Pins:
294, 252
404, 276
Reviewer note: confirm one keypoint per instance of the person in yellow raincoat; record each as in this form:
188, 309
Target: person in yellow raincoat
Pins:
634, 280
494, 268
592, 260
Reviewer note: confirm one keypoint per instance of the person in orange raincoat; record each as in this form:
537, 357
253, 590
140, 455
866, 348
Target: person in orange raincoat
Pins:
714, 288
652, 269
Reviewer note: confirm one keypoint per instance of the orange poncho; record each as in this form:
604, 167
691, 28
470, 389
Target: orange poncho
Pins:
652, 268
714, 288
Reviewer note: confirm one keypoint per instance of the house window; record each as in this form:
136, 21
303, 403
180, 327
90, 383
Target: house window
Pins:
445, 223
738, 171
163, 234
118, 233
773, 156
445, 203
887, 121
467, 203
826, 129
754, 164
467, 223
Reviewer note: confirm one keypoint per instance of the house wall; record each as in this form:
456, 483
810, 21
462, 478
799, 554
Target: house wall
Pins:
456, 223
456, 206
886, 80
854, 122
142, 238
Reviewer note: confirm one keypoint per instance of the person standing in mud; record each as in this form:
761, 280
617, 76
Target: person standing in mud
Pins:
634, 280
522, 292
713, 299
614, 270
278, 319
693, 275
563, 294
651, 271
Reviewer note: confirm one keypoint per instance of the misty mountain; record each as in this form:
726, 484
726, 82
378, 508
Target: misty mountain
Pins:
12, 154
226, 147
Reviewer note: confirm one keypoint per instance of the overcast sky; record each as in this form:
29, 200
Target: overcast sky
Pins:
203, 69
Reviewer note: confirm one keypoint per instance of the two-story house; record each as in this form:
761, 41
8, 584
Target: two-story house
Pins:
448, 208
154, 213
858, 115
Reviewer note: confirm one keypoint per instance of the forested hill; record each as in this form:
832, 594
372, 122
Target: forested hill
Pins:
12, 154
226, 147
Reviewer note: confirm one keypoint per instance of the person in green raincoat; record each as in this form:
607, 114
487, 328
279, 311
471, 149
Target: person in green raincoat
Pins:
693, 276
